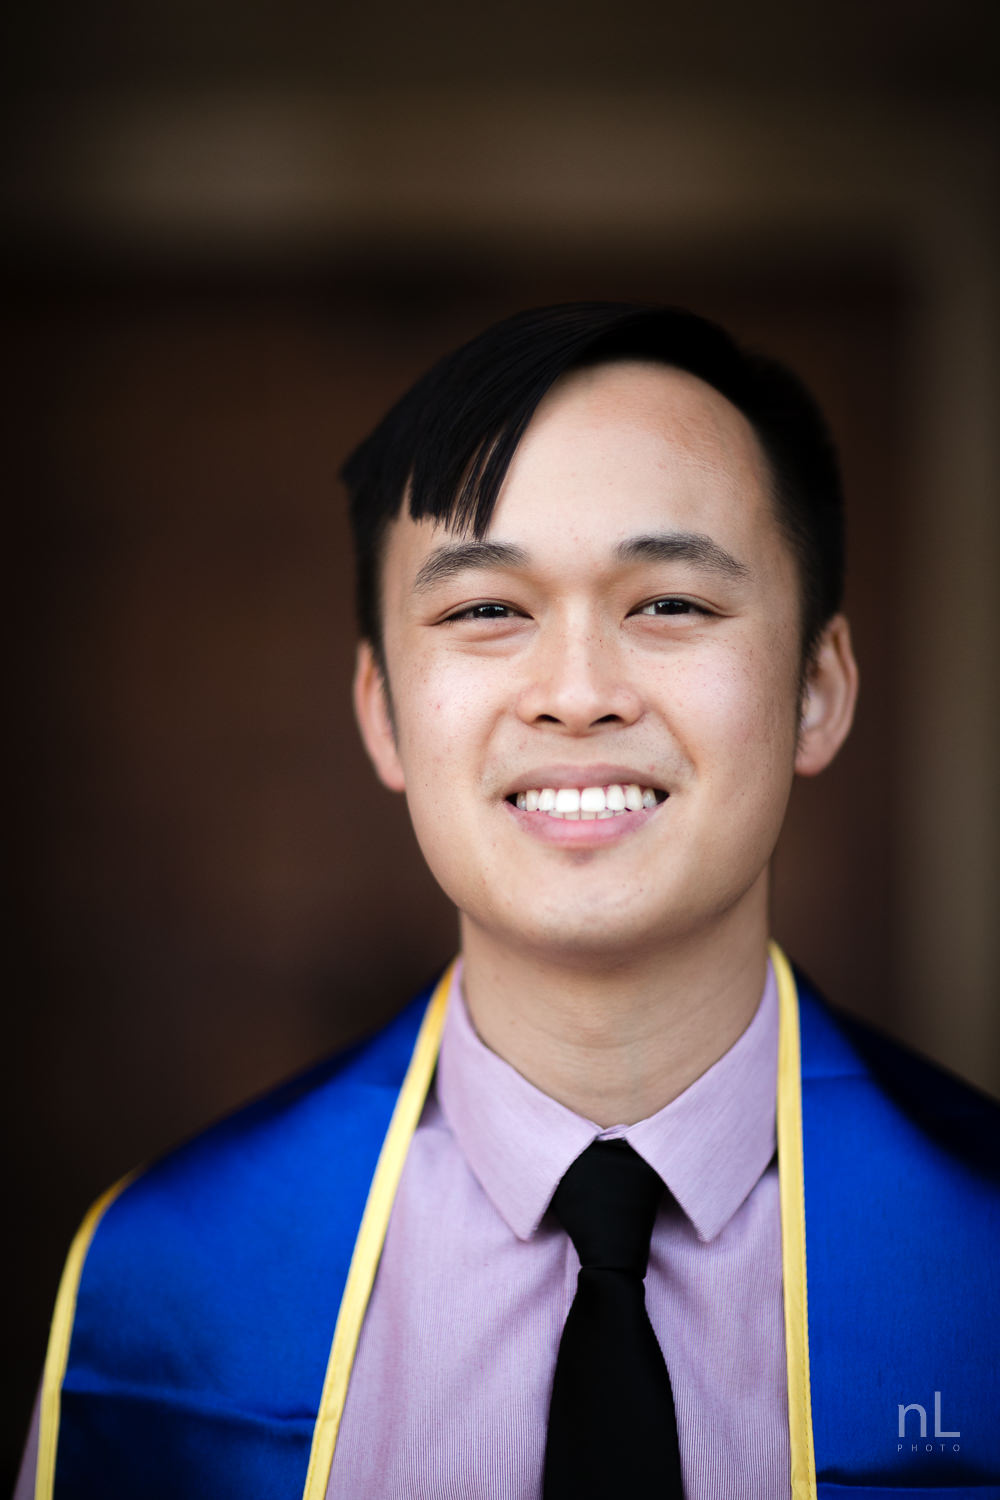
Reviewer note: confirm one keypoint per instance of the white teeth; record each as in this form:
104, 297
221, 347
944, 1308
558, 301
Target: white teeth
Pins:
588, 803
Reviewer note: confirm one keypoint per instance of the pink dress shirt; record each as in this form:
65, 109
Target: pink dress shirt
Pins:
449, 1395
450, 1390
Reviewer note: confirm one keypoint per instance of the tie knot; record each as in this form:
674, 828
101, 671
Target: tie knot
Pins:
606, 1203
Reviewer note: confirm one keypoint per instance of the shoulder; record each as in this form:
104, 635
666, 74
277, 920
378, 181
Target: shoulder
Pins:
878, 1077
901, 1206
258, 1212
294, 1165
346, 1096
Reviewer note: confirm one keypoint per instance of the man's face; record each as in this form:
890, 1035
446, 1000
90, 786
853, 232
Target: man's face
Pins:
631, 620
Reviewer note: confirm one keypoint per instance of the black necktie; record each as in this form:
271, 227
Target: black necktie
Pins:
612, 1429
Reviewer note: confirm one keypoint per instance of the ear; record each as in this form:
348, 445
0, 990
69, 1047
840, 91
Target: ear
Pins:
828, 701
371, 705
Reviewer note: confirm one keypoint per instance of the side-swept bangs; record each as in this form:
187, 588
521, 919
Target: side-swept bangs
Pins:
445, 447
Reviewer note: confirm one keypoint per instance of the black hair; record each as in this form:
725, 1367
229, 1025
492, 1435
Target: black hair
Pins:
446, 445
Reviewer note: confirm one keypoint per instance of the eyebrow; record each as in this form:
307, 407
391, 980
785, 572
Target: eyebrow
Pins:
668, 546
682, 546
457, 557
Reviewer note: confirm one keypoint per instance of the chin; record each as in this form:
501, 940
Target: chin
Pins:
607, 938
607, 932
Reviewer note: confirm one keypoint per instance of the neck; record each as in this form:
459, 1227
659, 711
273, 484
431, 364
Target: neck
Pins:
615, 1041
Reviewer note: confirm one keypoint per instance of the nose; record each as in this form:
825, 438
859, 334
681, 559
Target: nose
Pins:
578, 680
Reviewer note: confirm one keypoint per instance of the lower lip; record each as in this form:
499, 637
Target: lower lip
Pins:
592, 833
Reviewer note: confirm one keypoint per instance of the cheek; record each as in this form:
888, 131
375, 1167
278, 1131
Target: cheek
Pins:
443, 739
441, 723
739, 714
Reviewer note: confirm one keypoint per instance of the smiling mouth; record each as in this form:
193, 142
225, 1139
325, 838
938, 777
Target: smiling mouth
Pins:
588, 802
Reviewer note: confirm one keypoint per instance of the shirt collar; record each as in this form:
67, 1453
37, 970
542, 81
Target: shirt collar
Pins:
710, 1145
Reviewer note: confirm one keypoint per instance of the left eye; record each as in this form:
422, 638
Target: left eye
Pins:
670, 607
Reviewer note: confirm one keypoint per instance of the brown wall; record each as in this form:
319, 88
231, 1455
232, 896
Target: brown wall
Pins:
233, 239
215, 888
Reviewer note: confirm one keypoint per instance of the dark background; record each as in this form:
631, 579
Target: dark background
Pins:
232, 236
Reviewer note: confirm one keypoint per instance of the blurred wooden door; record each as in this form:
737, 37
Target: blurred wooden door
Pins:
214, 888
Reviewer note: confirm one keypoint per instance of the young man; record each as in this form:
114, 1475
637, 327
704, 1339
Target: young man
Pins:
562, 1237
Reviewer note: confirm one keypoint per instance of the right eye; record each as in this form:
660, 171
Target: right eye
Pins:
487, 611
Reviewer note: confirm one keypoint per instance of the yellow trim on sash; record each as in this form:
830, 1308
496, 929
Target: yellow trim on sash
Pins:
59, 1339
371, 1236
791, 1183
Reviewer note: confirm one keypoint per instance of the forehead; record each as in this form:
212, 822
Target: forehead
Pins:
630, 426
634, 392
613, 452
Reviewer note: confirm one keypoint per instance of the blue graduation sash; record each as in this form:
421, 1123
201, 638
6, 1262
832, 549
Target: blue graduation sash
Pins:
902, 1210
191, 1346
